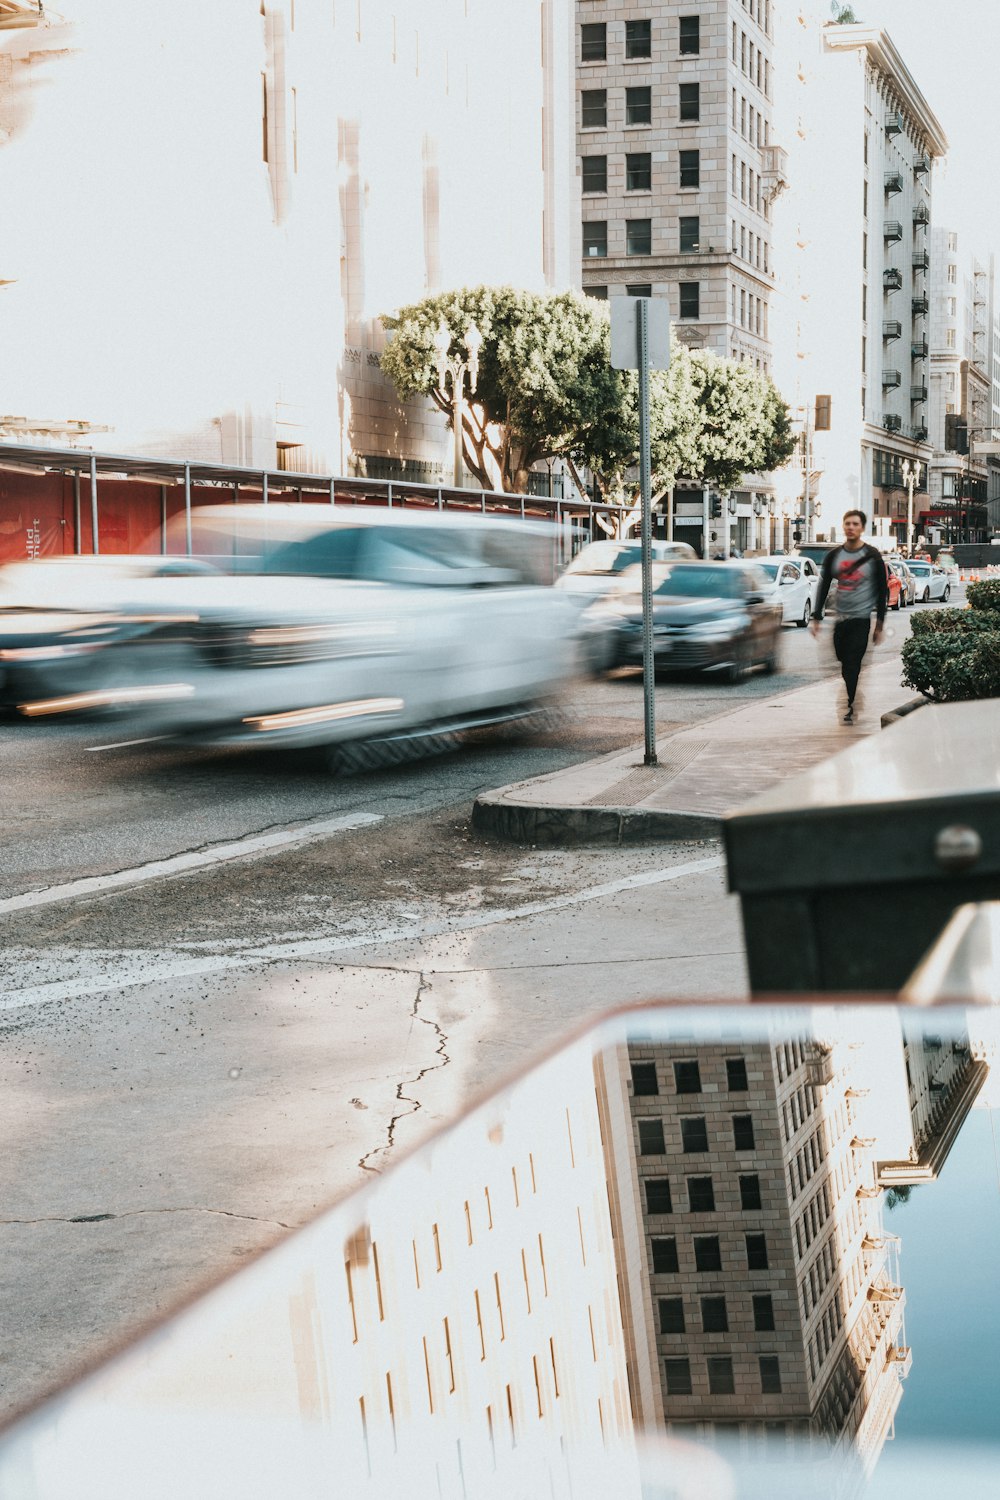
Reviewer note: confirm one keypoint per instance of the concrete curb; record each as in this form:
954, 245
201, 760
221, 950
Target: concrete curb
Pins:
909, 707
520, 823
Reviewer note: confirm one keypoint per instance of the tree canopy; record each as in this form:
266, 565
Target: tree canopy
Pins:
546, 389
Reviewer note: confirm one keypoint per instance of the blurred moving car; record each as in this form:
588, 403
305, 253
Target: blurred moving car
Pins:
354, 624
597, 568
908, 589
792, 583
707, 617
931, 581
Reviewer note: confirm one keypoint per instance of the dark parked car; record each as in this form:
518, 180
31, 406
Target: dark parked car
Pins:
707, 617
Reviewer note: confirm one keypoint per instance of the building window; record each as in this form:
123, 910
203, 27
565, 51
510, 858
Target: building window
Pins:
953, 274
720, 1375
756, 1252
639, 106
678, 1373
690, 299
651, 1142
701, 1195
949, 338
690, 234
671, 1314
595, 174
644, 1078
714, 1318
707, 1254
750, 1193
658, 1199
664, 1257
770, 1375
599, 293
690, 169
736, 1075
743, 1128
595, 238
594, 42
694, 1133
687, 1077
638, 236
690, 101
594, 106
763, 1312
638, 172
690, 38
638, 39
640, 289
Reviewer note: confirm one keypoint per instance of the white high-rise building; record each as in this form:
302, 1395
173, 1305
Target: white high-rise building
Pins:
961, 387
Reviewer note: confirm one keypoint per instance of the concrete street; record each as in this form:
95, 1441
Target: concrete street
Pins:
198, 1057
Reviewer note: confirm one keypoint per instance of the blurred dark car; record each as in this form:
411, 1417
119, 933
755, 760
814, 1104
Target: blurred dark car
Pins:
707, 617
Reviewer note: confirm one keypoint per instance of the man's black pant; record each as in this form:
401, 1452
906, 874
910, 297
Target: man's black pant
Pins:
850, 642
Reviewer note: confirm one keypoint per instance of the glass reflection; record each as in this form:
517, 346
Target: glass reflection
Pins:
667, 1262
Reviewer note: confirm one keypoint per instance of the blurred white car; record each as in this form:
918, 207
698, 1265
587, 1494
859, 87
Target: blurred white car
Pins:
792, 583
931, 581
597, 568
346, 624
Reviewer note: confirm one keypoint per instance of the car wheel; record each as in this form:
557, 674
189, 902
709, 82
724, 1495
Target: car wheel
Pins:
806, 617
927, 596
772, 663
739, 666
947, 593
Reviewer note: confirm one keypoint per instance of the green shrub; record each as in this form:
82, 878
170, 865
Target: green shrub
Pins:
951, 621
984, 595
953, 666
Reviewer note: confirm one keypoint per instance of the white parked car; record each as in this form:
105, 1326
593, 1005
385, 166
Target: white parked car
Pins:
792, 583
328, 625
932, 582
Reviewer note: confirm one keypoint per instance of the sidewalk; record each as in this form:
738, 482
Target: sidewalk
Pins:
703, 772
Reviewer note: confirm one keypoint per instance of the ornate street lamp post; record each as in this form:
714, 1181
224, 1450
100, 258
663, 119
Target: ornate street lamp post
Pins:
911, 478
457, 366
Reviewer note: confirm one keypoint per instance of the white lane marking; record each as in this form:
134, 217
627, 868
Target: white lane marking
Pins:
150, 739
154, 972
262, 843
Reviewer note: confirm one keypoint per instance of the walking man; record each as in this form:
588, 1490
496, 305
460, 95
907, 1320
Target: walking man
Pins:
858, 570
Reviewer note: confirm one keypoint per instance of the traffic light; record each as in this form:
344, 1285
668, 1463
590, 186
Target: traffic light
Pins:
716, 508
956, 433
822, 419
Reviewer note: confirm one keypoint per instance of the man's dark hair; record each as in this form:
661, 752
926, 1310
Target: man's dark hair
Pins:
860, 515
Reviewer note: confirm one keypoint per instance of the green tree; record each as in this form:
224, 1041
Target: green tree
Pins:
743, 424
545, 386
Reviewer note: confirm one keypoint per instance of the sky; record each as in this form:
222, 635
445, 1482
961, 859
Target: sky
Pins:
952, 48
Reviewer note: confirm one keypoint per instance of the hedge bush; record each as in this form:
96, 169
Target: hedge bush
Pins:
953, 655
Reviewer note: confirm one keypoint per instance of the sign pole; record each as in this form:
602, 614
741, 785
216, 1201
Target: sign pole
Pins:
648, 670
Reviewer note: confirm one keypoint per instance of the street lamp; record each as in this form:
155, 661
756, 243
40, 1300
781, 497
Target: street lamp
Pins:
911, 478
457, 366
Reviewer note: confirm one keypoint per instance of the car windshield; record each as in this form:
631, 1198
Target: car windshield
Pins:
771, 569
922, 568
605, 557
692, 581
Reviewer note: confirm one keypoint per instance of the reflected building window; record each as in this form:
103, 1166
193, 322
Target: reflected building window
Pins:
720, 1375
770, 1375
736, 1075
678, 1374
687, 1077
644, 1078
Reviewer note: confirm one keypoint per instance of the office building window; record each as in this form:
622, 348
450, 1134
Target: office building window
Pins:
707, 1253
599, 293
701, 1195
690, 299
687, 1077
638, 172
694, 1133
720, 1375
750, 1192
690, 234
690, 169
595, 174
638, 106
736, 1075
678, 1373
640, 289
671, 1314
594, 108
644, 1078
664, 1257
593, 42
743, 1124
651, 1142
770, 1375
595, 238
638, 236
689, 97
714, 1318
756, 1252
763, 1312
690, 36
658, 1199
638, 39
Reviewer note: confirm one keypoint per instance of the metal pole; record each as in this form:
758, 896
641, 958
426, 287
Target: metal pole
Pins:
389, 493
263, 488
187, 509
807, 467
670, 514
163, 519
648, 686
333, 495
706, 550
457, 393
76, 512
95, 545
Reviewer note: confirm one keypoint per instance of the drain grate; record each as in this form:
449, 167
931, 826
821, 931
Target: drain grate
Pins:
643, 781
